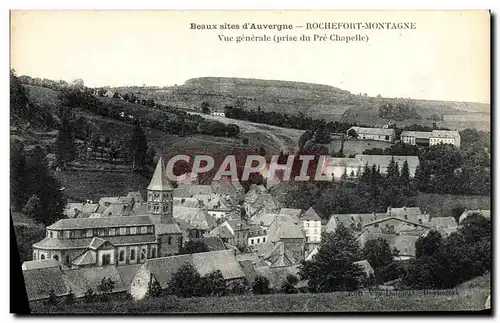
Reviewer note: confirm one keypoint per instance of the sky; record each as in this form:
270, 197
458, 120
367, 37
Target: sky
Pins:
447, 56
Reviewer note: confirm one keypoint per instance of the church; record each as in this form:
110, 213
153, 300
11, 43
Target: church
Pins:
117, 240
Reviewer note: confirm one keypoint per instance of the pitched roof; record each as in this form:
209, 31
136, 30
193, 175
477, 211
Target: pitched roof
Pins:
213, 243
204, 263
249, 269
72, 209
221, 231
89, 257
445, 134
198, 218
355, 221
277, 257
118, 210
135, 196
105, 222
267, 202
283, 227
186, 201
417, 134
263, 219
159, 181
190, 190
140, 208
373, 131
310, 215
404, 243
39, 264
167, 228
96, 243
39, 282
91, 277
445, 222
292, 212
57, 244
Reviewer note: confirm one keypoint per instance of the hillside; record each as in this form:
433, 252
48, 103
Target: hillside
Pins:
315, 100
470, 296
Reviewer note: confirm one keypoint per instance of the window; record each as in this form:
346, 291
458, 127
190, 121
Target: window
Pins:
156, 208
258, 240
264, 239
50, 234
132, 254
56, 257
112, 231
133, 230
150, 229
156, 197
102, 232
165, 208
123, 231
122, 255
165, 196
251, 241
169, 240
149, 207
90, 233
150, 196
143, 253
153, 253
42, 256
144, 230
67, 259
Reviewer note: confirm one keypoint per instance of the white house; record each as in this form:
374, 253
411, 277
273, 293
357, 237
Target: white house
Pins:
379, 134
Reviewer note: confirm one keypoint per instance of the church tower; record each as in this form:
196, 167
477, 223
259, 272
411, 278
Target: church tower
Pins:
160, 198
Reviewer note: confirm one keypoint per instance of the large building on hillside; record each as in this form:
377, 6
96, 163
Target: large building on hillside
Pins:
379, 134
117, 240
422, 138
336, 166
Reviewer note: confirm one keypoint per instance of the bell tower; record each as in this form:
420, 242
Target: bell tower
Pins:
160, 198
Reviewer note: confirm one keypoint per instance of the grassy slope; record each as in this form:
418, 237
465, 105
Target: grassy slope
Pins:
468, 296
317, 101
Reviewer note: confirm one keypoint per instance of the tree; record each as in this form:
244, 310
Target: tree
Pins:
352, 134
213, 284
377, 252
194, 246
19, 99
107, 285
405, 174
333, 268
233, 130
428, 245
205, 107
306, 136
185, 282
89, 296
139, 147
457, 211
70, 298
288, 285
261, 285
154, 289
475, 227
32, 207
65, 145
18, 179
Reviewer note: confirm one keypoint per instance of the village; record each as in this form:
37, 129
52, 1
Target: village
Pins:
136, 240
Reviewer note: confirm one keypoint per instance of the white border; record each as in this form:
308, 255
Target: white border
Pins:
213, 5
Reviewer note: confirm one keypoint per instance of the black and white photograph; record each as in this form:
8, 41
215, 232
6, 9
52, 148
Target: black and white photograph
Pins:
241, 162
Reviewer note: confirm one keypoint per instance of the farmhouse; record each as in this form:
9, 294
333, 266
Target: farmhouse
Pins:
379, 134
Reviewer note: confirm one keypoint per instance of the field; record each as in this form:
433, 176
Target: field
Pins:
441, 204
470, 296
